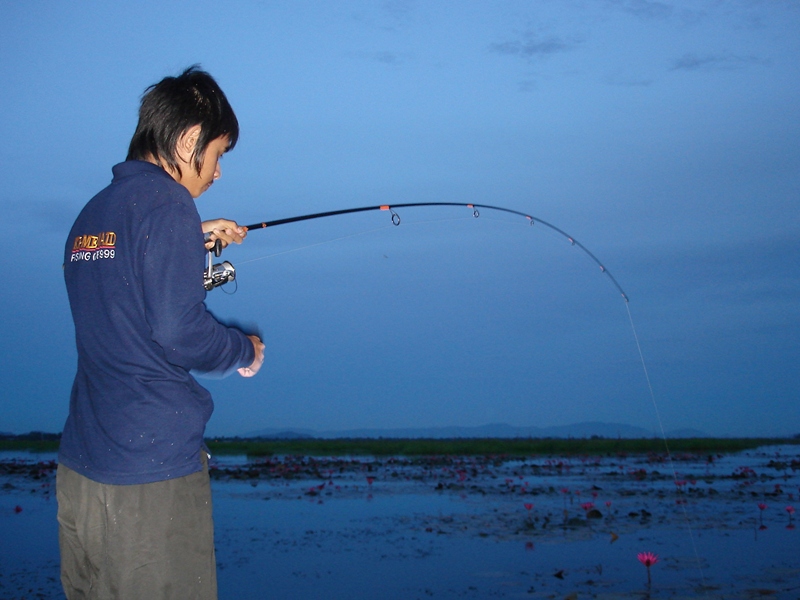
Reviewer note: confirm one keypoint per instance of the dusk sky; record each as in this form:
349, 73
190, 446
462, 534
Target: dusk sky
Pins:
663, 136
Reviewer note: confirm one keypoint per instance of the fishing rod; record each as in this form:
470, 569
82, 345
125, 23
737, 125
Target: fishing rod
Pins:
220, 274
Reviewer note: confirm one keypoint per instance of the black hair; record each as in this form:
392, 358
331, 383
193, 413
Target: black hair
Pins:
172, 106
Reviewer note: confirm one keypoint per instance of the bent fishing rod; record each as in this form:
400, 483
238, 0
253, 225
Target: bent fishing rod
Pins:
219, 274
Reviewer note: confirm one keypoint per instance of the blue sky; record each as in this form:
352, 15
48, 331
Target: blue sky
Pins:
664, 136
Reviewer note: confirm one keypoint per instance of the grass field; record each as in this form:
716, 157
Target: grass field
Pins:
485, 446
457, 446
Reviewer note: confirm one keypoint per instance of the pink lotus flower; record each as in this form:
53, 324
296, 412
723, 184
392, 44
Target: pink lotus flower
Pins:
528, 506
587, 506
761, 507
648, 559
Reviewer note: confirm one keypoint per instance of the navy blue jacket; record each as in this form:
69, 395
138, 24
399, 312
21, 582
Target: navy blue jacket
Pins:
133, 267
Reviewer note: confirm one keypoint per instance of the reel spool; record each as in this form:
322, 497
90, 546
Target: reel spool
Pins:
218, 274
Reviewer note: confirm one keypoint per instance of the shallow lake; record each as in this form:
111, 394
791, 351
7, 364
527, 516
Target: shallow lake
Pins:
466, 527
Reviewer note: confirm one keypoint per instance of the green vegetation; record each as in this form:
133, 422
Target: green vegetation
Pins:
453, 447
29, 445
485, 446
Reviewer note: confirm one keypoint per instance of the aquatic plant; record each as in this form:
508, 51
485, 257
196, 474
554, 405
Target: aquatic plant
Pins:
529, 519
648, 559
500, 447
761, 507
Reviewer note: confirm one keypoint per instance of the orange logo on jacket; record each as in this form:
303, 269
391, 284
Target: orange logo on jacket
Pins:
94, 247
107, 239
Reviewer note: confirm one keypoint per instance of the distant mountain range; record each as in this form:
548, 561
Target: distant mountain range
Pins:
498, 430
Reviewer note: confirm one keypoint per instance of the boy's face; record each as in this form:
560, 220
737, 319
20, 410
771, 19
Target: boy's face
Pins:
209, 172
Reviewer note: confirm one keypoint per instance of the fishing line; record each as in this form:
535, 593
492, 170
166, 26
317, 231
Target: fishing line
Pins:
666, 446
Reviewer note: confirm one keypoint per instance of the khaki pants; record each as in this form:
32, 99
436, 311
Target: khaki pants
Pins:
153, 541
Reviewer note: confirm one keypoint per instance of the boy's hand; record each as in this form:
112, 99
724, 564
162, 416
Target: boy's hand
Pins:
258, 346
224, 230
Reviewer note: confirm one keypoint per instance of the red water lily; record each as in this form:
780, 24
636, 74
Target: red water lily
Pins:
648, 559
761, 507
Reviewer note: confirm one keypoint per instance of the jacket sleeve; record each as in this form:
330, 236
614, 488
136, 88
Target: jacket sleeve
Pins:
174, 296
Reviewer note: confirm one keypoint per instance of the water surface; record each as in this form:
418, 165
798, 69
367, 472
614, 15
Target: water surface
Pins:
352, 528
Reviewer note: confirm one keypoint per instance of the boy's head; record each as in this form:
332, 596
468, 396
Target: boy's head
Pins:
173, 106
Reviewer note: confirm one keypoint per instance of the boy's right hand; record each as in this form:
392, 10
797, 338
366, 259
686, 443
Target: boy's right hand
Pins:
258, 346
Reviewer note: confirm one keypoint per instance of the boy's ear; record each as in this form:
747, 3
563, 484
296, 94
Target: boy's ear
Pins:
187, 143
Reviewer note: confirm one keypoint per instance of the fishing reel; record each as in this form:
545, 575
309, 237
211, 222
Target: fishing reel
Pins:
218, 274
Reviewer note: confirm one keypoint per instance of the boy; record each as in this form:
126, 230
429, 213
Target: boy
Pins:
134, 502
